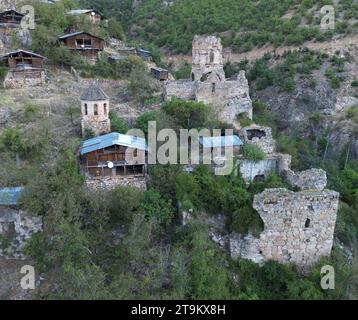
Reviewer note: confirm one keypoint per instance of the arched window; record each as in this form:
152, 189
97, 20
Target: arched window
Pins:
95, 110
192, 77
211, 56
105, 108
86, 109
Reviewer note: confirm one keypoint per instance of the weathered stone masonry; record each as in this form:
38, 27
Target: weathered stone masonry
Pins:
299, 226
208, 84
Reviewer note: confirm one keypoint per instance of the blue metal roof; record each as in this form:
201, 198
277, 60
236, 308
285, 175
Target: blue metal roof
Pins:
10, 196
223, 141
111, 139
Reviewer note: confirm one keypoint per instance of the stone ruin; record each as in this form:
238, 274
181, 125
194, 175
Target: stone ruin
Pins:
16, 227
208, 84
298, 226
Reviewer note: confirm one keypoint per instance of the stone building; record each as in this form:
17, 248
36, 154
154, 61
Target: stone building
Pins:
114, 159
208, 83
95, 111
25, 69
16, 226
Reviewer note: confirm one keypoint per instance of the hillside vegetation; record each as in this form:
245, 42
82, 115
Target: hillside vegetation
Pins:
242, 24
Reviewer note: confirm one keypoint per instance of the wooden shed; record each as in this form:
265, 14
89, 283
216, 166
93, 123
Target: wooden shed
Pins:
159, 73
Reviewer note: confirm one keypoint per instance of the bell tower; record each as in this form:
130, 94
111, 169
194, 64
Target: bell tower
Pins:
95, 111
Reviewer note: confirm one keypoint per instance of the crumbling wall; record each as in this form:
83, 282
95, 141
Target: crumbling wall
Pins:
209, 85
277, 163
260, 136
207, 57
315, 179
299, 226
183, 89
16, 227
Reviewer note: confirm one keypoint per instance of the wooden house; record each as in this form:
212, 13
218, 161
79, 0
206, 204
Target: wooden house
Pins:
94, 15
25, 69
11, 17
113, 155
145, 54
159, 73
86, 44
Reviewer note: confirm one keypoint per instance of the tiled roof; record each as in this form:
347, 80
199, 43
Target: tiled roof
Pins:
94, 93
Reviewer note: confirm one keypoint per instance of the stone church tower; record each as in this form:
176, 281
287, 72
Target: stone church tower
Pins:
207, 59
95, 111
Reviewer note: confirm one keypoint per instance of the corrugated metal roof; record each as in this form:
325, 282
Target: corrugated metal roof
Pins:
111, 139
69, 35
223, 141
83, 11
12, 11
10, 196
23, 51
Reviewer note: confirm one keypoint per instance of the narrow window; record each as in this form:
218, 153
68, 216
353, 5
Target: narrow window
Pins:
213, 87
211, 56
135, 153
95, 110
105, 108
192, 77
86, 109
307, 223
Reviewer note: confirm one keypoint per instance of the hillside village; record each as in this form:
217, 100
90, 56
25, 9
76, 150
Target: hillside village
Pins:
77, 175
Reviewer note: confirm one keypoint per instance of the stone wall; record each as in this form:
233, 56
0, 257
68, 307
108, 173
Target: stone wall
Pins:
16, 227
207, 57
299, 226
277, 163
111, 183
29, 78
183, 89
97, 127
312, 179
260, 136
209, 85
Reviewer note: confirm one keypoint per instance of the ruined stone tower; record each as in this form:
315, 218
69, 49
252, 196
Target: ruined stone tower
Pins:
208, 84
207, 59
95, 111
299, 226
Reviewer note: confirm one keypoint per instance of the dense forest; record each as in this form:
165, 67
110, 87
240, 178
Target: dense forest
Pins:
242, 25
130, 244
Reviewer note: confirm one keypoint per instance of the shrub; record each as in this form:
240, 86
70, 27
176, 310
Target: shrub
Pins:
118, 124
253, 152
